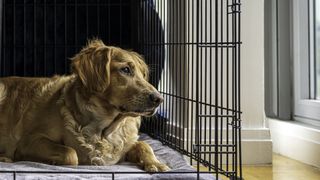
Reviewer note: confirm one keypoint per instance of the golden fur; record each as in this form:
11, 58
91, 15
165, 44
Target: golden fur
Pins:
89, 117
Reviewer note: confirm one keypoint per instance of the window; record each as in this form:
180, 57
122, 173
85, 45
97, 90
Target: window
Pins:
317, 45
306, 60
292, 60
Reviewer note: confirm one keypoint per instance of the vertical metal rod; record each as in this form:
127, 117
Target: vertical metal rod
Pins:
65, 37
187, 86
169, 31
180, 33
3, 40
171, 66
154, 55
236, 86
193, 114
239, 95
109, 23
221, 80
149, 40
98, 19
227, 88
216, 93
14, 37
55, 37
204, 85
163, 52
45, 37
197, 91
120, 17
233, 87
175, 67
160, 60
87, 18
185, 79
2, 22
166, 28
152, 41
14, 175
200, 62
210, 90
24, 37
35, 71
75, 26
233, 93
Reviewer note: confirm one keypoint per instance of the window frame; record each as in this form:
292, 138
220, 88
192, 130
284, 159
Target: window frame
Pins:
289, 61
306, 108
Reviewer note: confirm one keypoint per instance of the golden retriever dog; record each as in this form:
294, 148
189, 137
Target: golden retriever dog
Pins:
89, 117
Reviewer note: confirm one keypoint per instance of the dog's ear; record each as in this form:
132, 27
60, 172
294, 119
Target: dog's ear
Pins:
92, 65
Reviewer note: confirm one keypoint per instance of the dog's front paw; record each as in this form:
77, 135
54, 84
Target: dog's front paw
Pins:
163, 167
97, 161
157, 167
6, 160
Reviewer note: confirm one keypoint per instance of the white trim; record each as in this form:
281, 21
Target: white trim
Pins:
256, 146
296, 140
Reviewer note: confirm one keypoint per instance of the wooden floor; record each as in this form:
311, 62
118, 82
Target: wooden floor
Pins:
282, 169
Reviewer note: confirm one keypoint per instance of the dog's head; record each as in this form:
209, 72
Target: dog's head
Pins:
117, 77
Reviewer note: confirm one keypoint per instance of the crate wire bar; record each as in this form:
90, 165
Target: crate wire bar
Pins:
192, 48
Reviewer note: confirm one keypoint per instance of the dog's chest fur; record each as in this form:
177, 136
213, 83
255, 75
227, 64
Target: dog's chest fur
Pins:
105, 149
103, 141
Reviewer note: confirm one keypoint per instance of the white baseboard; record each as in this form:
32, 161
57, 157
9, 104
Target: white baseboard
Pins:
296, 140
256, 146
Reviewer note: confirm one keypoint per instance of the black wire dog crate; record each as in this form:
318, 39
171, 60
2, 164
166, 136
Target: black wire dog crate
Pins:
192, 48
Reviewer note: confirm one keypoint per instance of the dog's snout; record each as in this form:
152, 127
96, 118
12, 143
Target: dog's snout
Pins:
156, 98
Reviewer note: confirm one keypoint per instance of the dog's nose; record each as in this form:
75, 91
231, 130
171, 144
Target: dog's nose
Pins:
156, 98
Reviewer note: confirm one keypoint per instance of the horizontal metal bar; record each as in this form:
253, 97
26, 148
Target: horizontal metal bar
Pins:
192, 43
98, 172
202, 103
218, 46
70, 45
220, 145
234, 12
219, 152
209, 115
234, 4
68, 4
40, 46
234, 126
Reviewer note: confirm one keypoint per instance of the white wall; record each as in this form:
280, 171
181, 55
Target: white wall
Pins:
252, 63
257, 144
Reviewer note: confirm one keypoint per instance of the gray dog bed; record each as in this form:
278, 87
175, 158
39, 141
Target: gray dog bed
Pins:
165, 154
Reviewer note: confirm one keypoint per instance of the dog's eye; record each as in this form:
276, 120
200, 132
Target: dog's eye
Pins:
126, 70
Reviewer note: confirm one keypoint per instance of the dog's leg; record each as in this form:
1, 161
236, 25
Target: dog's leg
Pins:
142, 154
5, 159
42, 149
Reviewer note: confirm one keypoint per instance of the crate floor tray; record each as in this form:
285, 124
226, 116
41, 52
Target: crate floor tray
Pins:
180, 169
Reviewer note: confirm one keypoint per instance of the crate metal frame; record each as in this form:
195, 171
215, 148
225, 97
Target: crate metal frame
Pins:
191, 46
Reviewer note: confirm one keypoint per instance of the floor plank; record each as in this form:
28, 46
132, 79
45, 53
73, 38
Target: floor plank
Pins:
283, 168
